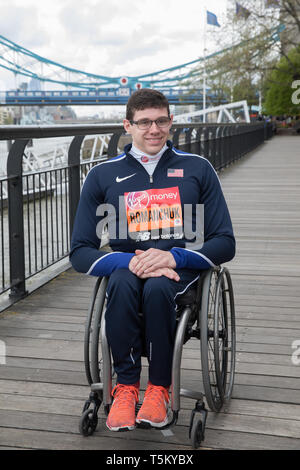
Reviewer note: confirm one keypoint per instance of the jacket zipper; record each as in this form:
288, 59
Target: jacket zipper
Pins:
154, 241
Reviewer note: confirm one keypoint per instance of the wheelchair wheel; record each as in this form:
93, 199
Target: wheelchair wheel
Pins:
208, 354
88, 423
87, 333
197, 424
96, 352
224, 334
197, 433
92, 323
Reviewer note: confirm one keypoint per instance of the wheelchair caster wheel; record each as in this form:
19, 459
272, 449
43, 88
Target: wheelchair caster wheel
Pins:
197, 424
88, 422
197, 433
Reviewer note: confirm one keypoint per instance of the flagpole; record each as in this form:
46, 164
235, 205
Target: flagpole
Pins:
204, 62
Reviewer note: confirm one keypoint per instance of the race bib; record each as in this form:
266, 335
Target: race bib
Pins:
153, 209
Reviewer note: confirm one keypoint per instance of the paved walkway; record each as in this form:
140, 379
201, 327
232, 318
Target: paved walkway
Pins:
43, 385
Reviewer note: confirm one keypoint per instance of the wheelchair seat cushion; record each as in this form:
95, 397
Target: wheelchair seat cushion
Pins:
187, 298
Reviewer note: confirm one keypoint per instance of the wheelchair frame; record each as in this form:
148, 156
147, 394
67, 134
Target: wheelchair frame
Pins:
206, 313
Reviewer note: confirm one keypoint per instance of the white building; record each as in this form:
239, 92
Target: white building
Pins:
6, 116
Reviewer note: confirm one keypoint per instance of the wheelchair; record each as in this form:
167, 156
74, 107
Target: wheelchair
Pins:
205, 312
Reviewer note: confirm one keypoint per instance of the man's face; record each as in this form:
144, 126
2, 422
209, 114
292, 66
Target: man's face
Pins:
153, 139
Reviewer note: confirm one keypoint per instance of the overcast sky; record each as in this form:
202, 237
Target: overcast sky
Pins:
109, 37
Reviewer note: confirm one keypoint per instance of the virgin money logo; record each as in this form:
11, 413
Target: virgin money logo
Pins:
138, 200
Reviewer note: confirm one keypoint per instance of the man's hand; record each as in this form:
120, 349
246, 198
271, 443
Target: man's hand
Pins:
153, 263
168, 272
150, 260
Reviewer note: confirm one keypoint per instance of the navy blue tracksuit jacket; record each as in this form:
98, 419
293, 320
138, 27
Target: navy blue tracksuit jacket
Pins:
154, 210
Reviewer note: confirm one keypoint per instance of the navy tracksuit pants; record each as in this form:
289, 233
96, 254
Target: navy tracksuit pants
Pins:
128, 332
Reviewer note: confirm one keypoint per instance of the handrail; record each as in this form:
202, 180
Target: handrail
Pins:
39, 132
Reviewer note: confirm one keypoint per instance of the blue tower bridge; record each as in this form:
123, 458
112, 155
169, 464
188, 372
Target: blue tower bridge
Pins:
102, 96
181, 83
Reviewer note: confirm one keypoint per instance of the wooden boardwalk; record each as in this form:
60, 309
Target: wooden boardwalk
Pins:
43, 385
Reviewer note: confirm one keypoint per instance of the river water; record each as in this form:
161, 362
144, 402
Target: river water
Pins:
45, 214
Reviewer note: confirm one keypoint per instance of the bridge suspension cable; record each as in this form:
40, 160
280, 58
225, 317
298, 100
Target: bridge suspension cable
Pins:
14, 58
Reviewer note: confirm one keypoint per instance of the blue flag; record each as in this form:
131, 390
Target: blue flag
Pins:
212, 19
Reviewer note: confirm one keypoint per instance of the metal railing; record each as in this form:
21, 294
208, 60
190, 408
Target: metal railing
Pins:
37, 209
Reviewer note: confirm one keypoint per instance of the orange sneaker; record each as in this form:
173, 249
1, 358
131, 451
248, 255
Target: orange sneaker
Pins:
121, 416
154, 409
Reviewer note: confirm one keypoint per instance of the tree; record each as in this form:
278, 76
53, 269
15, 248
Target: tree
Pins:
279, 90
255, 40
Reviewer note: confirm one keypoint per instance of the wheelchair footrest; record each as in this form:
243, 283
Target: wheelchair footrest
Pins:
96, 387
191, 394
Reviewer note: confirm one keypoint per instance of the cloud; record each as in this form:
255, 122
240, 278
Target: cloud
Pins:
22, 26
111, 35
133, 50
100, 22
105, 37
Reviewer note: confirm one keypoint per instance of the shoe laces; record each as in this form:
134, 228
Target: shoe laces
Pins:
125, 394
155, 393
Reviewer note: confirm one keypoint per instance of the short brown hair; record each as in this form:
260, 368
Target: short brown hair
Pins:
146, 98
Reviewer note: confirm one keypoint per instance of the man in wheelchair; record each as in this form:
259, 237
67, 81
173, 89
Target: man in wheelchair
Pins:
153, 187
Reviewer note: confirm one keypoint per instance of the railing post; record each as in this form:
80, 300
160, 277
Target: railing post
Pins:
175, 137
199, 149
212, 145
112, 149
228, 152
233, 142
188, 140
16, 219
206, 143
74, 178
219, 147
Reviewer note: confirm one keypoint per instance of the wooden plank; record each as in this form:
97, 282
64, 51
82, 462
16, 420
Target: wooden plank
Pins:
68, 372
276, 317
65, 350
40, 317
69, 398
37, 389
29, 439
266, 393
47, 375
250, 343
255, 323
14, 344
48, 311
15, 331
45, 325
239, 418
63, 423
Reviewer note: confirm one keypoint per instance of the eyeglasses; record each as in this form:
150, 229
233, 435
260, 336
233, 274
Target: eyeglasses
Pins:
144, 124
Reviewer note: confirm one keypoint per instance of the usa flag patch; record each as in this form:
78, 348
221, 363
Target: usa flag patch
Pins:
175, 172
